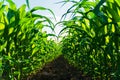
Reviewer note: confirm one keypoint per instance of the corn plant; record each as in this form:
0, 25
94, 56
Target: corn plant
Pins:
24, 47
92, 43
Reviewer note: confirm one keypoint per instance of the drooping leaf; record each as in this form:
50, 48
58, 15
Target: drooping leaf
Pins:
27, 2
43, 8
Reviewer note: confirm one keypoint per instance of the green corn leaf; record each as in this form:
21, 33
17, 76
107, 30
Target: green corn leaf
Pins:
38, 8
97, 8
2, 26
51, 35
27, 2
1, 4
47, 20
114, 14
3, 46
118, 2
42, 8
12, 4
11, 15
1, 71
22, 12
35, 50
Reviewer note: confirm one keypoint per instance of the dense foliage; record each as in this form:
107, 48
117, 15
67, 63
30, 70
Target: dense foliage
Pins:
24, 47
93, 40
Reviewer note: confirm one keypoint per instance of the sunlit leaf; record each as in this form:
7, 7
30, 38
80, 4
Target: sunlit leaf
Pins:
12, 4
2, 26
11, 30
22, 11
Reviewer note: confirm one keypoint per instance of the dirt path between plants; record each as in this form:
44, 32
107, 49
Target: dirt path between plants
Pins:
58, 69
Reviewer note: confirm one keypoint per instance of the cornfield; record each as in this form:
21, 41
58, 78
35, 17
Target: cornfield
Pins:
93, 40
24, 47
92, 43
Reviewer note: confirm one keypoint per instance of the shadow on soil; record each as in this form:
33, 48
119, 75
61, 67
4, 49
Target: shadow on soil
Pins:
58, 69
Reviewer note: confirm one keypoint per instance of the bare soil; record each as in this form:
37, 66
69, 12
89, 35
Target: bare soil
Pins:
59, 69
